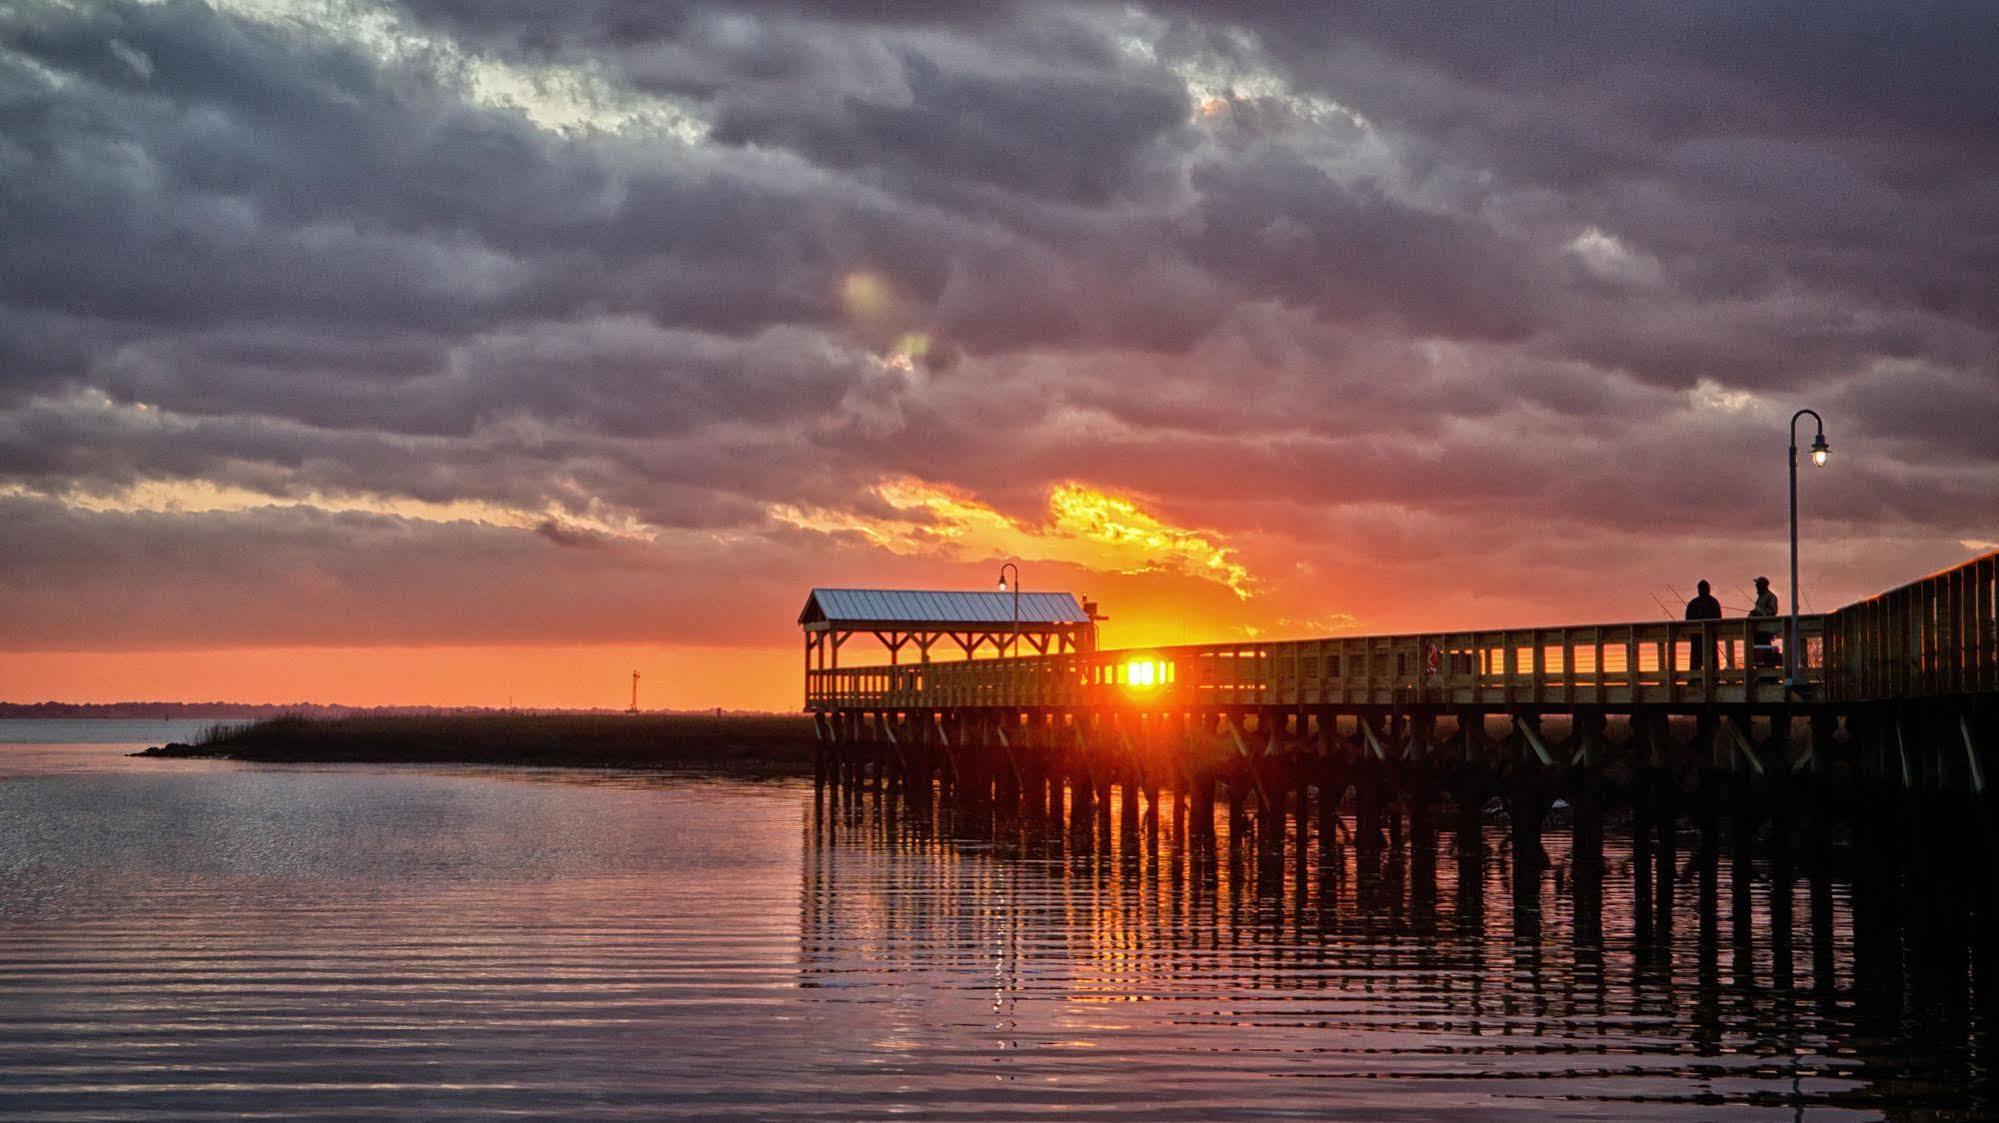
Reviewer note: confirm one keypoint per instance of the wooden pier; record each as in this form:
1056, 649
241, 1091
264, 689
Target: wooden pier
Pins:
1897, 701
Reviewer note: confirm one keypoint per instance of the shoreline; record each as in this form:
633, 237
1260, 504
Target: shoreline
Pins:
750, 746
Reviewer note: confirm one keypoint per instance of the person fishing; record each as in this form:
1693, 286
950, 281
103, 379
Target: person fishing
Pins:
1765, 607
1766, 601
1703, 607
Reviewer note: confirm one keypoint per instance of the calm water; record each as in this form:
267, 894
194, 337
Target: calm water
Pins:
195, 938
103, 731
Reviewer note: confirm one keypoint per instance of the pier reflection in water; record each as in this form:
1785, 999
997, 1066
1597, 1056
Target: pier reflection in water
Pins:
1414, 971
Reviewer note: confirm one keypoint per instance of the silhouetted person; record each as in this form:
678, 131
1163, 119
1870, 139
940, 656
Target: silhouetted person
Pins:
1765, 608
1766, 601
1702, 607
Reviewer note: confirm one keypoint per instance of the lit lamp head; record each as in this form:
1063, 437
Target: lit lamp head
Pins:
1002, 582
1821, 451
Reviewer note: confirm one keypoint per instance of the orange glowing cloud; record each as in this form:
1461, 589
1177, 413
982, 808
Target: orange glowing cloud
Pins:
199, 496
1124, 529
1087, 527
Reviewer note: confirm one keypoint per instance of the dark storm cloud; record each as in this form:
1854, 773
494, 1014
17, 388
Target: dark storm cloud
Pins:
1847, 145
1286, 229
1845, 72
1439, 261
1080, 139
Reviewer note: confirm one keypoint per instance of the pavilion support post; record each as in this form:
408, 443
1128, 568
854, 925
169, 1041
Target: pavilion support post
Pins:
1034, 777
1128, 801
1666, 809
927, 736
1303, 820
1271, 809
1528, 795
841, 727
888, 752
974, 787
1367, 788
1332, 788
1238, 783
1473, 779
889, 758
1585, 786
1744, 819
1146, 765
831, 745
1181, 792
1392, 774
1417, 771
861, 742
819, 755
914, 760
1586, 848
1331, 781
1782, 910
919, 762
1201, 810
1102, 769
1082, 789
1006, 775
1042, 766
851, 747
939, 761
1057, 792
871, 767
1054, 756
855, 760
1644, 815
992, 768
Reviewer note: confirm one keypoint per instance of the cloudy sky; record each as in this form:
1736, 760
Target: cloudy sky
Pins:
451, 351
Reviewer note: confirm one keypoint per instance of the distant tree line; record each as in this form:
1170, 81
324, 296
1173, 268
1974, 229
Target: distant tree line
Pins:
171, 711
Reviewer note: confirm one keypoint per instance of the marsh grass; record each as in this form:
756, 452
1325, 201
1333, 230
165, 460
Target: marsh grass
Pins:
774, 743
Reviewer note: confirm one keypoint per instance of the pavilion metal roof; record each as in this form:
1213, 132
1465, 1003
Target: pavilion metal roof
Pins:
938, 608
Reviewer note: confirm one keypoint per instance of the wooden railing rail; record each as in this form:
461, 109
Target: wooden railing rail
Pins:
1933, 637
1665, 662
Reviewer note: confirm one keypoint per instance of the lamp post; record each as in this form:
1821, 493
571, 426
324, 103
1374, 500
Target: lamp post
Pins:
1820, 451
1016, 600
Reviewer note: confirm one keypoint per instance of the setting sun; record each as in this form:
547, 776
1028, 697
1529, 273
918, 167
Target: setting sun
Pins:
1142, 674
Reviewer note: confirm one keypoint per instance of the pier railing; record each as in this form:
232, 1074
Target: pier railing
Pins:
1930, 638
1663, 662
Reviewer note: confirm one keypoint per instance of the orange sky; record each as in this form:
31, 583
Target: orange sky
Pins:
1161, 578
1165, 606
580, 677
